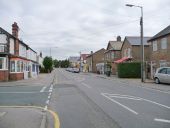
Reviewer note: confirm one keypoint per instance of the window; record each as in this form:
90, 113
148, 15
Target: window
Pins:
163, 63
129, 52
113, 55
18, 66
33, 67
3, 63
164, 43
155, 46
12, 66
2, 48
168, 71
163, 71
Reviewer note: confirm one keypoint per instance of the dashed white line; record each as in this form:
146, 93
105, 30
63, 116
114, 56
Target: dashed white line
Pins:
162, 120
23, 92
49, 97
2, 114
45, 108
47, 102
86, 85
129, 109
43, 89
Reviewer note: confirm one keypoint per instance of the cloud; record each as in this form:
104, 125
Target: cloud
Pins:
80, 25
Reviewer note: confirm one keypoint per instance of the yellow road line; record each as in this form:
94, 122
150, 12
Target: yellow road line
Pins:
54, 114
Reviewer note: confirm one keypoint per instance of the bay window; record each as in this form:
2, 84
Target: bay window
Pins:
3, 63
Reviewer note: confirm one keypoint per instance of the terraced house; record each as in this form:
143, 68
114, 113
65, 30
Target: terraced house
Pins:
17, 60
160, 50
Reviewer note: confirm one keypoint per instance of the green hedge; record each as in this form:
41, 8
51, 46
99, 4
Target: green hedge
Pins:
129, 70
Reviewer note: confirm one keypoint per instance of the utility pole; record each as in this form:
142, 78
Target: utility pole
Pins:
142, 45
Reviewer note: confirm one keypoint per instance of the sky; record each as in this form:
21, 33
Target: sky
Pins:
68, 27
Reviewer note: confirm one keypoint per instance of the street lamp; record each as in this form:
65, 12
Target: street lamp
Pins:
142, 46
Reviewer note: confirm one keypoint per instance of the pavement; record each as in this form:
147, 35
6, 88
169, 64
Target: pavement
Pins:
21, 117
15, 115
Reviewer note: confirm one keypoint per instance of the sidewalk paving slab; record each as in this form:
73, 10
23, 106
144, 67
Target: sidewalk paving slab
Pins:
20, 118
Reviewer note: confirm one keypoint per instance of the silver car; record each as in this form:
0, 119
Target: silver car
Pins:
162, 75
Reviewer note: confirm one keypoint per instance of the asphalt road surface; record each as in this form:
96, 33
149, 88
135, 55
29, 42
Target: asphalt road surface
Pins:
87, 101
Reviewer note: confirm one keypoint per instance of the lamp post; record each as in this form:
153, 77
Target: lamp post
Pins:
142, 46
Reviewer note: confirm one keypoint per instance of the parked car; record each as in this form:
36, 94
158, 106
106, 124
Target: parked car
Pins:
162, 75
76, 70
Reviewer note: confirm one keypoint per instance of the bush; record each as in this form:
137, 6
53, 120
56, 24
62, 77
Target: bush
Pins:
129, 70
43, 70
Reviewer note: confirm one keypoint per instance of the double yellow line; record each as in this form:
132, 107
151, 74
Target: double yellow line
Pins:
54, 114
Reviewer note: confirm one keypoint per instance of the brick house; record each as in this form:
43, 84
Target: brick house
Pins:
95, 58
17, 60
83, 62
160, 50
113, 53
131, 49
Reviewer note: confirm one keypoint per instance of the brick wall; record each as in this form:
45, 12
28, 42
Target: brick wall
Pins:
160, 54
98, 57
4, 75
16, 76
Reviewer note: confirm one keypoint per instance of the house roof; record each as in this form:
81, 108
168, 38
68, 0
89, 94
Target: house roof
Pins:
116, 45
137, 40
7, 33
84, 56
164, 32
102, 49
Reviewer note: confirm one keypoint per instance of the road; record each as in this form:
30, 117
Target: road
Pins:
88, 101
84, 100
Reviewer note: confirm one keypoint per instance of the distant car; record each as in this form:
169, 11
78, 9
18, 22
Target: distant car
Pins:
76, 70
162, 75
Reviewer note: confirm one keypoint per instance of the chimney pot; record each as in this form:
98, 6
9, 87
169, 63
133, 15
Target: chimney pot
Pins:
118, 38
15, 29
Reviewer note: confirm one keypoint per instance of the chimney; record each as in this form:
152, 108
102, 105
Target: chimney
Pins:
40, 54
118, 38
15, 29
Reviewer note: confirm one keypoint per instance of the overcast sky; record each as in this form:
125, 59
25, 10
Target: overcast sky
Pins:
71, 26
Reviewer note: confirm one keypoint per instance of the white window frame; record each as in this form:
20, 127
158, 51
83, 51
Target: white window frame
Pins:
4, 63
2, 48
14, 66
154, 46
163, 63
164, 43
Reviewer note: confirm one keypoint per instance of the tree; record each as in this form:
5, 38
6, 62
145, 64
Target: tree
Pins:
48, 64
56, 63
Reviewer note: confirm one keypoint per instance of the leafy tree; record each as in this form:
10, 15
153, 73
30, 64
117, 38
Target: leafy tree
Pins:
48, 63
56, 63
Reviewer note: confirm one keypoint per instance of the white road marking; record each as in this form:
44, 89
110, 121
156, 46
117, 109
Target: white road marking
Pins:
162, 120
50, 90
129, 109
22, 92
47, 102
129, 96
86, 85
43, 89
45, 108
2, 114
48, 97
50, 94
162, 105
122, 97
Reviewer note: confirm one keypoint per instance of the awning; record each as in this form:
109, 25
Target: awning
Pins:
122, 60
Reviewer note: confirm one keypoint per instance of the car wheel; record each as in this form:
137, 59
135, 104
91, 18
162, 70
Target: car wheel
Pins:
157, 81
